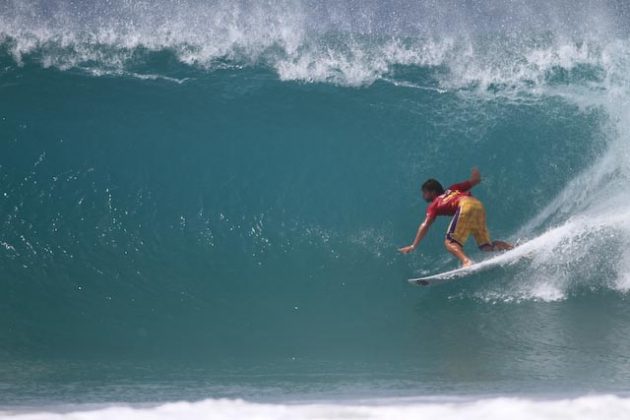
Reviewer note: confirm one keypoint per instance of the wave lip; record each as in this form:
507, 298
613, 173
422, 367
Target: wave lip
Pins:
322, 43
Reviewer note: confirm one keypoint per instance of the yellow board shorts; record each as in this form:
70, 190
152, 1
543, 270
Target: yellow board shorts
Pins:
470, 218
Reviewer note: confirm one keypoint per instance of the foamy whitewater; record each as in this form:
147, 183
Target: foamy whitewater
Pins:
201, 203
580, 408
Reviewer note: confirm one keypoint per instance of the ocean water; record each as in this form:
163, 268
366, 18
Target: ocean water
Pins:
201, 203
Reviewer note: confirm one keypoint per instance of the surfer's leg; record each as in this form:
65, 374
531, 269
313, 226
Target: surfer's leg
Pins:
457, 250
482, 235
457, 233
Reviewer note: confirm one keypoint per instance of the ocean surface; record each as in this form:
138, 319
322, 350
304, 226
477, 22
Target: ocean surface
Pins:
201, 204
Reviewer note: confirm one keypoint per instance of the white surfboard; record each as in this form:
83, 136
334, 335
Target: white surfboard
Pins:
504, 258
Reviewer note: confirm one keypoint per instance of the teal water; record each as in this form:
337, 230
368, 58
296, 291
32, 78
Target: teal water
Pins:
213, 209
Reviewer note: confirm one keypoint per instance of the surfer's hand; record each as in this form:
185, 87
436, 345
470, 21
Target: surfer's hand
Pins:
407, 249
475, 176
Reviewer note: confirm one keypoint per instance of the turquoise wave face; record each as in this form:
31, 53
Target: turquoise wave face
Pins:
241, 205
239, 201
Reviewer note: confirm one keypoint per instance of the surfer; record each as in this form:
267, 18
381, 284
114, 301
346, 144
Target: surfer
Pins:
469, 217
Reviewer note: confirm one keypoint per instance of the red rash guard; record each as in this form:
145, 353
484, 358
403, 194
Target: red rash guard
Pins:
447, 203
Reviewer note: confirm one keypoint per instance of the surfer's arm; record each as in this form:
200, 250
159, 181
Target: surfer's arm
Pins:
475, 178
422, 231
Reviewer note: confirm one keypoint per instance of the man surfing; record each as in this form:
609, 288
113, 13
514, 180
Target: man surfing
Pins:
469, 217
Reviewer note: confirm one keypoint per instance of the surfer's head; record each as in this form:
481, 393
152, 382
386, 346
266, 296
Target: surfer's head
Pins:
431, 189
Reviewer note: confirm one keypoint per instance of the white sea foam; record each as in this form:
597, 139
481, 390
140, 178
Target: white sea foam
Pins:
587, 250
583, 408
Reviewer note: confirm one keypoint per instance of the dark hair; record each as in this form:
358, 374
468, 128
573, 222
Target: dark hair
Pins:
433, 185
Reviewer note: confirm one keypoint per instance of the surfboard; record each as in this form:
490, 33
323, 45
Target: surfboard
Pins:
448, 276
504, 258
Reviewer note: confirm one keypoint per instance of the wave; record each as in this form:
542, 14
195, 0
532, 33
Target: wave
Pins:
219, 173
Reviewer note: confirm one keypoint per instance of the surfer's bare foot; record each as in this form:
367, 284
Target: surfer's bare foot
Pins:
502, 246
497, 246
467, 263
